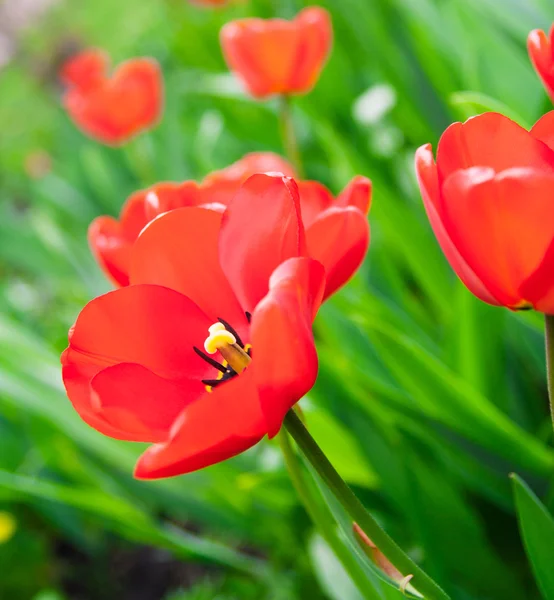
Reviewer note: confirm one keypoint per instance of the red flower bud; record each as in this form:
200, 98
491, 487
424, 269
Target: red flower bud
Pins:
489, 200
276, 56
541, 53
112, 109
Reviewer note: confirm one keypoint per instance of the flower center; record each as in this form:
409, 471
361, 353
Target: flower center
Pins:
224, 339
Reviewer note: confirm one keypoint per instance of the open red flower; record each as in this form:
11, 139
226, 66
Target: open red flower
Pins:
489, 200
112, 109
138, 366
337, 231
276, 56
541, 52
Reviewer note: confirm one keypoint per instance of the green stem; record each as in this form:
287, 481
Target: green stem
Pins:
355, 509
288, 135
549, 343
139, 158
322, 520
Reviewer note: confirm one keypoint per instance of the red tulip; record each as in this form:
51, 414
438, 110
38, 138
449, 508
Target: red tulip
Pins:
112, 109
337, 231
489, 200
541, 53
111, 240
276, 56
210, 3
134, 368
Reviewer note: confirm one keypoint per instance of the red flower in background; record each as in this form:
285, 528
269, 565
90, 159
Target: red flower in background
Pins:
337, 231
210, 3
111, 240
275, 56
113, 108
239, 286
489, 201
541, 53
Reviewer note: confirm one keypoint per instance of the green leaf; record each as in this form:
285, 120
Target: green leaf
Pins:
341, 448
474, 103
537, 530
330, 573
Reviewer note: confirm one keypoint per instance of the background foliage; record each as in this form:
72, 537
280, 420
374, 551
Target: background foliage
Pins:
426, 400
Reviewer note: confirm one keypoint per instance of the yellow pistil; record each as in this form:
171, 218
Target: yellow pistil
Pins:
226, 343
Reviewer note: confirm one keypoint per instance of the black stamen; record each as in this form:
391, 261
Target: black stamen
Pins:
231, 330
211, 382
248, 316
209, 360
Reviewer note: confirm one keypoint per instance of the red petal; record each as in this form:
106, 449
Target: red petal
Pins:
110, 248
314, 199
339, 240
314, 45
502, 224
218, 426
490, 140
138, 403
111, 240
543, 129
261, 228
163, 197
282, 341
148, 325
221, 186
86, 69
357, 194
179, 250
427, 176
539, 46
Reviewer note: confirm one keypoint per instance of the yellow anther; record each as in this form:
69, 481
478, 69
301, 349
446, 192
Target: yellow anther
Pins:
223, 341
216, 327
218, 339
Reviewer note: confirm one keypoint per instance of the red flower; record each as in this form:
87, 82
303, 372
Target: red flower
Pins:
134, 368
276, 56
489, 201
337, 231
541, 53
112, 109
210, 3
111, 240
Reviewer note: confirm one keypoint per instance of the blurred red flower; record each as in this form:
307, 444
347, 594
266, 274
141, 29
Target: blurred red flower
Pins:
112, 109
276, 56
210, 3
134, 368
337, 231
541, 53
489, 200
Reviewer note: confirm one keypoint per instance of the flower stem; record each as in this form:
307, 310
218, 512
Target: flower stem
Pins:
288, 135
355, 509
322, 520
549, 343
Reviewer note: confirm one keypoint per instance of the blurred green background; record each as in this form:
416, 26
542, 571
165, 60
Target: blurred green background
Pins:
426, 400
